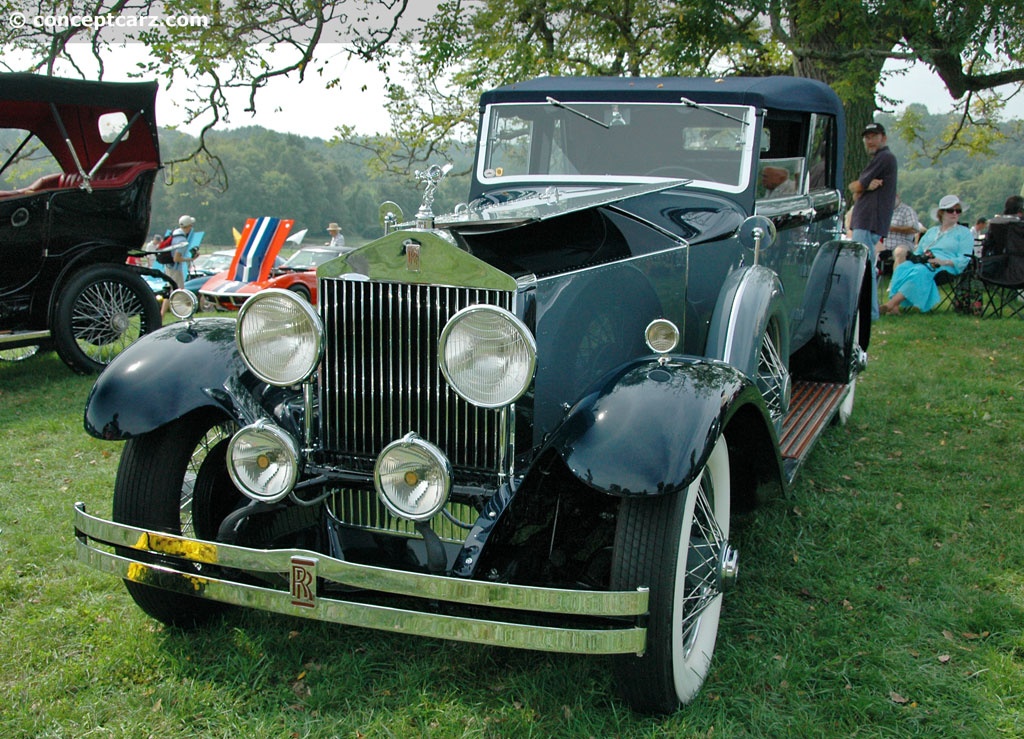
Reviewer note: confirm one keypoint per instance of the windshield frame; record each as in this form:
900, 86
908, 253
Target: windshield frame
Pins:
590, 116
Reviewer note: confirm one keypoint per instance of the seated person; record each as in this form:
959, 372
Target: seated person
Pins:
943, 248
777, 182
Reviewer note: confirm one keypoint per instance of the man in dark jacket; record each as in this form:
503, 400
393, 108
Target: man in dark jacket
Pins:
874, 198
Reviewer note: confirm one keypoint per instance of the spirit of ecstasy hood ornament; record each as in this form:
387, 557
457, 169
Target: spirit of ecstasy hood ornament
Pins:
430, 178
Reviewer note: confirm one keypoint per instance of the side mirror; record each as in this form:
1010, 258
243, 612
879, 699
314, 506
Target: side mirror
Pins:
757, 233
390, 214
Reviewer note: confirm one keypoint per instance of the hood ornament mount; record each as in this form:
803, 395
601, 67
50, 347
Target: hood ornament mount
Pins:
431, 178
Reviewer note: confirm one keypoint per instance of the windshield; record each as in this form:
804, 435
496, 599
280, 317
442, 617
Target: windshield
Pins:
308, 259
606, 142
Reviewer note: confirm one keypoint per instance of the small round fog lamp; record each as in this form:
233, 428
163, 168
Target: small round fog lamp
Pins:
183, 303
263, 462
413, 478
661, 336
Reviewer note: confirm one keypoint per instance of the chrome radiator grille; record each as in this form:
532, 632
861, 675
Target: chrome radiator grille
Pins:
380, 377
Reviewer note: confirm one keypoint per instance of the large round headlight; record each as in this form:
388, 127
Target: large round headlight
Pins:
413, 478
263, 461
280, 336
487, 356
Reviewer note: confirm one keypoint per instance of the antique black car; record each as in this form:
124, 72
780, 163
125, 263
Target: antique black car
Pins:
525, 423
78, 164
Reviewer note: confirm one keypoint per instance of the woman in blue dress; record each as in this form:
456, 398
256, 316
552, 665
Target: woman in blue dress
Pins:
946, 248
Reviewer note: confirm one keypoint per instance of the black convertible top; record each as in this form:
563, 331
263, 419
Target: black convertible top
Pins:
780, 93
54, 108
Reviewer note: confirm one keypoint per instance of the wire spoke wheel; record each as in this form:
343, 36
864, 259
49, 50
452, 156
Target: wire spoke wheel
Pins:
102, 311
773, 378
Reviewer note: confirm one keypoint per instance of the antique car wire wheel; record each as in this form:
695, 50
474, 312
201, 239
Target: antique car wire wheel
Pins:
174, 479
846, 407
773, 378
677, 545
100, 313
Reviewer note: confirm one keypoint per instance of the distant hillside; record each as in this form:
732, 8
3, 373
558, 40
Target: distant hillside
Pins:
310, 180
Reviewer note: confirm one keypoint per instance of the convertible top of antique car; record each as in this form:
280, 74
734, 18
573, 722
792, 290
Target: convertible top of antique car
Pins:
526, 423
27, 99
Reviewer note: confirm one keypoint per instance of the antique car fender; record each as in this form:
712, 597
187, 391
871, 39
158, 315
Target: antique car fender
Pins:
837, 285
749, 298
165, 375
750, 331
649, 426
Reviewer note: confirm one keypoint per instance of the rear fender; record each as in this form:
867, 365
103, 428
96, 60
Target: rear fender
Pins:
650, 426
172, 372
840, 277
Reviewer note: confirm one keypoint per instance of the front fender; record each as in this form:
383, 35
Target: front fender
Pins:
163, 376
650, 426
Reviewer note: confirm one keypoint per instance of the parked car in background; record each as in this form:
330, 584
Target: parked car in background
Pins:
526, 423
207, 265
78, 164
296, 273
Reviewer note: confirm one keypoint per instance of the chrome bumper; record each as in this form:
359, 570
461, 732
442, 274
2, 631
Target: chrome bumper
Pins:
181, 560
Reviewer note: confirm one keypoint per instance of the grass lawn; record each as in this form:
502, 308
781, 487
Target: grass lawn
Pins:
883, 598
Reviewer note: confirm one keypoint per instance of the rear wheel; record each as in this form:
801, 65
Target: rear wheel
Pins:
677, 546
100, 312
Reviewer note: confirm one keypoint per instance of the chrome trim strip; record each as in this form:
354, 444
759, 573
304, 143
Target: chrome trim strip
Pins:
432, 587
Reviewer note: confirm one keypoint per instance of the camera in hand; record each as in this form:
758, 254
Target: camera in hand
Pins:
920, 258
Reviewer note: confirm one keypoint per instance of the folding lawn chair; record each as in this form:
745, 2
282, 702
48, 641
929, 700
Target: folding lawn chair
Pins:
1001, 269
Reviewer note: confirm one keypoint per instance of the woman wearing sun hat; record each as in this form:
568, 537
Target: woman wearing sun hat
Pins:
946, 247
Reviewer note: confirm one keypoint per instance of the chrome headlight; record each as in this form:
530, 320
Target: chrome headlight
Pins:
413, 478
280, 337
184, 304
487, 356
263, 462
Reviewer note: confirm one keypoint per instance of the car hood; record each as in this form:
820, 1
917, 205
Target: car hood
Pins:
501, 209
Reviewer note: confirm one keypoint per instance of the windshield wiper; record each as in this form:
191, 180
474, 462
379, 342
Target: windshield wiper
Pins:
693, 104
580, 113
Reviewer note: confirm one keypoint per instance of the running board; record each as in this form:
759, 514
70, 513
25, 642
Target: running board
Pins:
811, 410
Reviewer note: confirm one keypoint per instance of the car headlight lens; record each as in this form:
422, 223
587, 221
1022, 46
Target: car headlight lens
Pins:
487, 356
280, 336
661, 336
263, 461
413, 478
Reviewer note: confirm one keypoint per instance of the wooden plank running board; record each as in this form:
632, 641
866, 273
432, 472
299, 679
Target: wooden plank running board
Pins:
810, 411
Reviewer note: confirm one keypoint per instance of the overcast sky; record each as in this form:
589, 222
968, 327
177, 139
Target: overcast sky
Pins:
310, 110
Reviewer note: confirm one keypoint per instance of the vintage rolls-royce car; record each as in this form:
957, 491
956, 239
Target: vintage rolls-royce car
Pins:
77, 164
525, 423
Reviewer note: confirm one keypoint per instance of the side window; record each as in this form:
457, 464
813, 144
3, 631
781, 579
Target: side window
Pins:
782, 170
111, 125
821, 166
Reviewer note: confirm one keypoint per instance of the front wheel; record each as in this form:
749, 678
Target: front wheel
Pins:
175, 480
677, 546
100, 312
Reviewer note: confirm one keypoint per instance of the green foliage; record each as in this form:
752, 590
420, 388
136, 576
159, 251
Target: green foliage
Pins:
310, 180
983, 179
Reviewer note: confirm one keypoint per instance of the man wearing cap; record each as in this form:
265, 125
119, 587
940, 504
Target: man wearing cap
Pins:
337, 237
181, 253
874, 198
